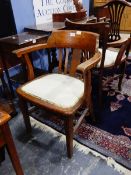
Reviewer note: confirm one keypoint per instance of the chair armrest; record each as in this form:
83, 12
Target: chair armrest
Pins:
4, 117
25, 54
29, 49
118, 43
89, 64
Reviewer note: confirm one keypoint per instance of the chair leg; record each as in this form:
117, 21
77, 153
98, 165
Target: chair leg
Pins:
11, 149
24, 110
2, 154
69, 136
100, 93
88, 94
122, 72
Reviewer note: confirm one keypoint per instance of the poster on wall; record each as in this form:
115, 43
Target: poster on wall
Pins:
43, 9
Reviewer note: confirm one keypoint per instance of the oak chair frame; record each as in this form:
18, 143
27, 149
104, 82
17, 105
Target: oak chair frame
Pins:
76, 40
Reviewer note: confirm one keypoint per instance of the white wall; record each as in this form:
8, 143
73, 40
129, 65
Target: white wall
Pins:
86, 5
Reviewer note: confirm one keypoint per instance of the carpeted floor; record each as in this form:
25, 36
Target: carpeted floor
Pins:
45, 153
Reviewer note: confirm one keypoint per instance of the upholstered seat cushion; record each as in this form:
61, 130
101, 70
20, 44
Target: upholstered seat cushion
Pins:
110, 57
62, 90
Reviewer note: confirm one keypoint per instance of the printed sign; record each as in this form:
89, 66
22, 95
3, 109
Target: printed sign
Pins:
43, 9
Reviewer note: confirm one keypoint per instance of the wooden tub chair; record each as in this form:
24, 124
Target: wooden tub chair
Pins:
62, 93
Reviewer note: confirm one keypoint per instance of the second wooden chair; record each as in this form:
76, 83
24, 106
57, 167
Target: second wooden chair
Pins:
112, 59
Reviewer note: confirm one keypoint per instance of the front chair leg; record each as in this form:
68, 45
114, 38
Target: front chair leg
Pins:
69, 135
24, 109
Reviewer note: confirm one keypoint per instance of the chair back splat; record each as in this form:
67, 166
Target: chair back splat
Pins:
68, 88
102, 28
115, 9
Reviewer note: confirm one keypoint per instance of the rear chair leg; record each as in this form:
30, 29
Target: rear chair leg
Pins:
69, 136
122, 69
24, 110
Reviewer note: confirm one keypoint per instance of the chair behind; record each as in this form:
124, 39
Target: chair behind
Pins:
115, 9
102, 28
119, 60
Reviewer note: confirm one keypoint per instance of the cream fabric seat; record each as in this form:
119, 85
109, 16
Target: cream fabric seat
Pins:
110, 57
61, 90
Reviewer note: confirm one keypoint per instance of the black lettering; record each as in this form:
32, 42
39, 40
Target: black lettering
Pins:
58, 1
42, 3
39, 13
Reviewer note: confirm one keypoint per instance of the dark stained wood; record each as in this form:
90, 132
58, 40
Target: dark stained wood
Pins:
6, 104
80, 13
103, 28
25, 112
113, 10
7, 44
76, 16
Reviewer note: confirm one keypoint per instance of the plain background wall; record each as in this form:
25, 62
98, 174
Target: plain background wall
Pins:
24, 13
